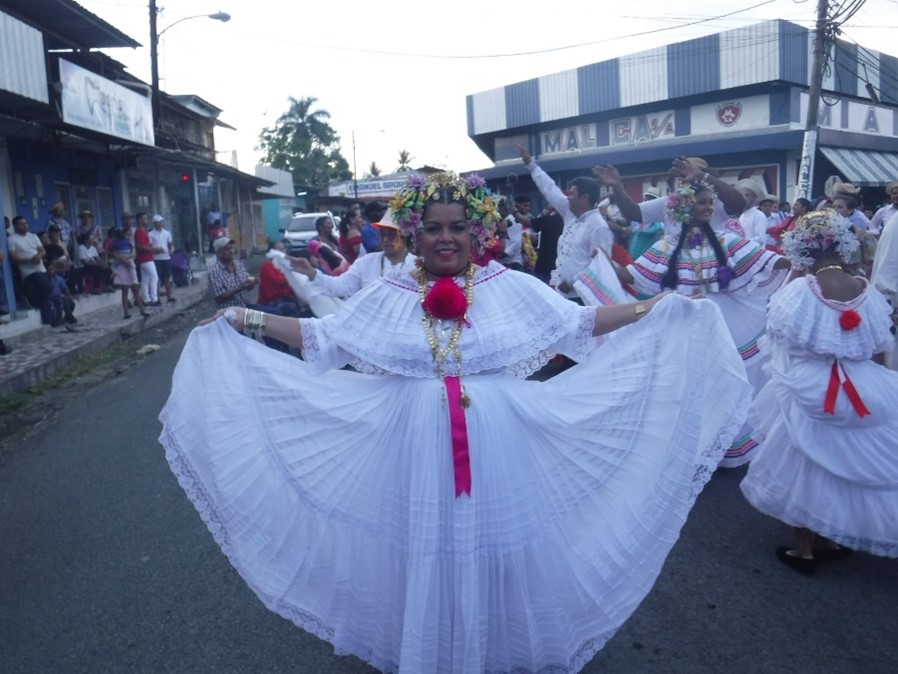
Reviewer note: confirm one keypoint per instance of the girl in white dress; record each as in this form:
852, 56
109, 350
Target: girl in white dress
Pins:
828, 465
436, 511
737, 274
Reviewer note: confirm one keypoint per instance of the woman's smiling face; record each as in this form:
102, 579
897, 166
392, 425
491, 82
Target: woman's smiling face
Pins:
444, 240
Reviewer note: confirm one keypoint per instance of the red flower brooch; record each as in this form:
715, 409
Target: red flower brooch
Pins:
849, 320
445, 300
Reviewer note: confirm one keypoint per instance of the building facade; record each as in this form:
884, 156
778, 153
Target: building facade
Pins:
738, 99
76, 128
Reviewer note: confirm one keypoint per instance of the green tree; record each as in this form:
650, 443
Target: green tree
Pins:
373, 171
303, 143
405, 161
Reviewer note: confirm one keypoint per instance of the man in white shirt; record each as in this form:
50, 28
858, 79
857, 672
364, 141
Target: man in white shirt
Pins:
753, 221
884, 214
585, 230
163, 246
27, 252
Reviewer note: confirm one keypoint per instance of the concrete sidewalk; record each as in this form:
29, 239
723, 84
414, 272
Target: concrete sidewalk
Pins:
40, 351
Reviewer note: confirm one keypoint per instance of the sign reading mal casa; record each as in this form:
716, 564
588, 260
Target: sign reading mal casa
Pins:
632, 130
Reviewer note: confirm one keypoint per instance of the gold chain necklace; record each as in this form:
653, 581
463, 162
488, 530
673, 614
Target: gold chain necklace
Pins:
432, 329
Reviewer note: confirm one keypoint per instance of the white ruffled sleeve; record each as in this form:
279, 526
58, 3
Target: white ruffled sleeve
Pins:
318, 351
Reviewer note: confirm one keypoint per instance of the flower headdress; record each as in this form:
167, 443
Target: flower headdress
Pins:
481, 205
816, 233
680, 201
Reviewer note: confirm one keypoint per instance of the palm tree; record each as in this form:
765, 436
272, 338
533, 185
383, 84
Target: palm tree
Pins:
373, 171
302, 142
405, 161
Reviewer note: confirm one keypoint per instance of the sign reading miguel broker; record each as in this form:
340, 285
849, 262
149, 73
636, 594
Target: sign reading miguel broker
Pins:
642, 128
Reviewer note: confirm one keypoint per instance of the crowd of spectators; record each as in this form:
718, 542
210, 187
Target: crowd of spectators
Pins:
52, 268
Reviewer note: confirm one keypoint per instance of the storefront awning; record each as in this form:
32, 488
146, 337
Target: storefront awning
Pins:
863, 167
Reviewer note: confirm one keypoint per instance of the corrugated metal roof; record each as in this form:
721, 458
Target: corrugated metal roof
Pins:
23, 69
68, 25
863, 167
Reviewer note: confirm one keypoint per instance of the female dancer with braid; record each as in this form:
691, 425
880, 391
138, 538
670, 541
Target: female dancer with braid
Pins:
736, 273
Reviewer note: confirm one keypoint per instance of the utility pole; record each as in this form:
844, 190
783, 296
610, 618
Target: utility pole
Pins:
154, 64
809, 146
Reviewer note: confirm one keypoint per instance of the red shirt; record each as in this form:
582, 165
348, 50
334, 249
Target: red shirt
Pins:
272, 284
142, 238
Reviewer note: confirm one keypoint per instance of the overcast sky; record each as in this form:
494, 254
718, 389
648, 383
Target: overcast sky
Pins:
396, 73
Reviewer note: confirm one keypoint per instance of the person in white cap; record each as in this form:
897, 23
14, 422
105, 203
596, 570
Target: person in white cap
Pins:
149, 279
229, 281
161, 241
394, 258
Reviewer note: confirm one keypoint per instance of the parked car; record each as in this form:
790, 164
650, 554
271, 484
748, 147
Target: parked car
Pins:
300, 231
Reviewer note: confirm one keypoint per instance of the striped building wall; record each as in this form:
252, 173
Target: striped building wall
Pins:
761, 53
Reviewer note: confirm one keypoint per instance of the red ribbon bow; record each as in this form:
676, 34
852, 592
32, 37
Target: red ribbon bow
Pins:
838, 376
461, 460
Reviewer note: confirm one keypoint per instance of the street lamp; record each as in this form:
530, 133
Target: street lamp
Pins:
154, 50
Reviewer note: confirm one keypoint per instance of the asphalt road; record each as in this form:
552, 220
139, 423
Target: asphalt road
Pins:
106, 567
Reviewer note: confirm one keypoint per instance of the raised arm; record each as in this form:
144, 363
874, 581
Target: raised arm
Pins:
608, 176
732, 199
545, 184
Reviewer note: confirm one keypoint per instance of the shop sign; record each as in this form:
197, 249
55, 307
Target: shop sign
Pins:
642, 128
93, 102
368, 188
570, 139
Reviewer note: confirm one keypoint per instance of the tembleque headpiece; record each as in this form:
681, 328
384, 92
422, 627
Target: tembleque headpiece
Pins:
481, 205
816, 234
679, 202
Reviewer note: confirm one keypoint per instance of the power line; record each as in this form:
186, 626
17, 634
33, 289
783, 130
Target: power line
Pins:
515, 54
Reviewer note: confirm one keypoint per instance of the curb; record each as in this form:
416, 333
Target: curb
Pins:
53, 364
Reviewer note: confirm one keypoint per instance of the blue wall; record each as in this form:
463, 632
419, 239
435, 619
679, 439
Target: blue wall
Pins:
54, 164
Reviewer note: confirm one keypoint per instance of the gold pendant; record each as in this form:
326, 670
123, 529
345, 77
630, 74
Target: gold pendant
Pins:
698, 271
465, 401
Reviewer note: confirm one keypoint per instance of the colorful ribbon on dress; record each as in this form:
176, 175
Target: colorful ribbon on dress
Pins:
838, 376
461, 460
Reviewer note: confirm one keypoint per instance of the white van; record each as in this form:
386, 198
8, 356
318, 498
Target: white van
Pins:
301, 230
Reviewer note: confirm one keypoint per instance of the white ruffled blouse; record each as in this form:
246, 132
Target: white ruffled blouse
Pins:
803, 321
516, 324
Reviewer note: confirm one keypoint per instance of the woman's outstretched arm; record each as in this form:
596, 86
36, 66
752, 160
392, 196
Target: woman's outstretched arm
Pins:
282, 328
610, 318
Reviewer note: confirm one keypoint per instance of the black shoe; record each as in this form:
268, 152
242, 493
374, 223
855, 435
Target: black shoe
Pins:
4, 349
145, 314
172, 299
806, 567
157, 303
71, 319
126, 317
829, 554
